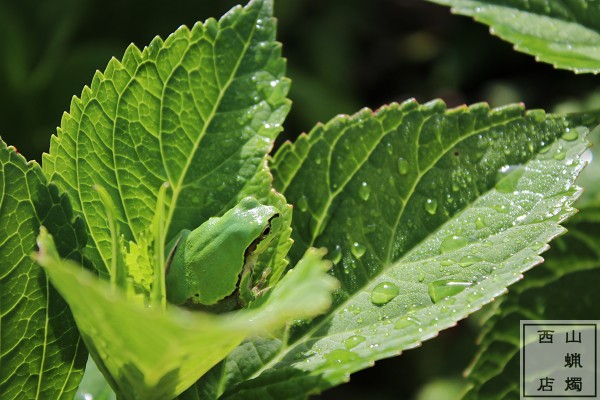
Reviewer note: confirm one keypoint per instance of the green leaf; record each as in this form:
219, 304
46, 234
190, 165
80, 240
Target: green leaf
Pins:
199, 110
564, 287
415, 203
41, 353
146, 353
565, 34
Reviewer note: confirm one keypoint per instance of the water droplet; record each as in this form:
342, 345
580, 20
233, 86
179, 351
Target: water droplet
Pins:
383, 293
318, 160
364, 191
447, 262
336, 254
421, 277
273, 83
500, 208
303, 203
354, 309
560, 154
452, 243
512, 174
389, 148
443, 288
570, 134
545, 149
431, 206
353, 341
479, 223
406, 322
402, 166
358, 250
455, 187
469, 260
340, 356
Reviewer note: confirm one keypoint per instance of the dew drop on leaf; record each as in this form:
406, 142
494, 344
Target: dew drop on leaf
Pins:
336, 254
508, 178
443, 288
406, 322
545, 149
383, 293
364, 191
303, 203
560, 154
431, 206
340, 356
353, 341
421, 277
452, 243
446, 262
469, 260
389, 148
402, 166
570, 134
479, 223
358, 250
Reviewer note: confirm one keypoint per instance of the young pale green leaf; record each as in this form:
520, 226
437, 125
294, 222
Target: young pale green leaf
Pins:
41, 353
146, 353
427, 214
565, 34
573, 263
199, 110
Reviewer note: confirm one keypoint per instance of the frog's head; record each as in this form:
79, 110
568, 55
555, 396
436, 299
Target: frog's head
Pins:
207, 267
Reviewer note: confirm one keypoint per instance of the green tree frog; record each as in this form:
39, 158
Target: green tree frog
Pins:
211, 267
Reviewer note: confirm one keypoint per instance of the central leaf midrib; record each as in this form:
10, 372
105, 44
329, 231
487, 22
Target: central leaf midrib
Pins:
179, 186
333, 311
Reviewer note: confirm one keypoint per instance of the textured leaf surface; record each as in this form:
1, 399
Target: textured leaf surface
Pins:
444, 207
199, 111
41, 354
563, 33
157, 355
564, 287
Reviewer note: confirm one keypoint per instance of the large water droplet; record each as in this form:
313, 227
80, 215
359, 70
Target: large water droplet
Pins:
389, 148
353, 341
443, 288
303, 203
452, 243
570, 134
354, 309
447, 262
560, 154
358, 250
421, 277
340, 356
383, 293
402, 166
364, 191
336, 254
431, 206
406, 322
479, 223
469, 260
508, 183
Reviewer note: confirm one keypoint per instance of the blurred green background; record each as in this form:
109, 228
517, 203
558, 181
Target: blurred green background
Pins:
342, 55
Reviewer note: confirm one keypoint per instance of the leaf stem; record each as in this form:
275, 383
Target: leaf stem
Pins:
158, 295
118, 274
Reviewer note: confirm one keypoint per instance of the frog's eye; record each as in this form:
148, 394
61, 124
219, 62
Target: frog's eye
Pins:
267, 230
